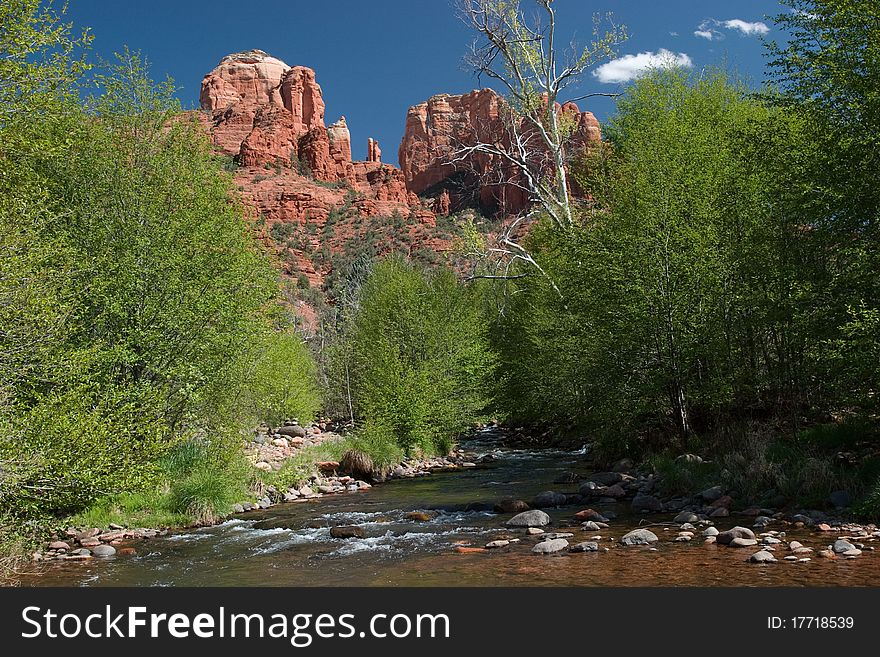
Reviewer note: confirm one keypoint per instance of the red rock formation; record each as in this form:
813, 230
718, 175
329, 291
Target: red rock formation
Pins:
374, 153
295, 171
442, 204
436, 129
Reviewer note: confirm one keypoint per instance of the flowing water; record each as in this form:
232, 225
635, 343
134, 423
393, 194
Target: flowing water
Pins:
290, 544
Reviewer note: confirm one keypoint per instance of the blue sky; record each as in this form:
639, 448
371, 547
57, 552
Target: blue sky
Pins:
376, 58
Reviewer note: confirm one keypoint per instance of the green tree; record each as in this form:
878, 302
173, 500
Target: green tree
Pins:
678, 288
829, 71
419, 359
171, 321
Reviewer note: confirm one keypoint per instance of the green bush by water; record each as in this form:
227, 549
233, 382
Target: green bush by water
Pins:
414, 359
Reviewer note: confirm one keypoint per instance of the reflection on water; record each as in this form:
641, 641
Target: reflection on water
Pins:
290, 545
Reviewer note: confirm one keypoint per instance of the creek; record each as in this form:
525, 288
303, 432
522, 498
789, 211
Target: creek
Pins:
290, 544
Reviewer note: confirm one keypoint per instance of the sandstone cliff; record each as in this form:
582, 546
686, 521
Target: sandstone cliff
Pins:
438, 127
296, 172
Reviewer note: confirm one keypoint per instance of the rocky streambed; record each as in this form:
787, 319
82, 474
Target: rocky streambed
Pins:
480, 525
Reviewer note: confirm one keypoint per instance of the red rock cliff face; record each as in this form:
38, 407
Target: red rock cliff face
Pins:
295, 172
437, 128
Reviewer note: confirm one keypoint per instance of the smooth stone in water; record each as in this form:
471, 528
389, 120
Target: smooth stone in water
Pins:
497, 544
724, 538
550, 547
686, 516
639, 537
742, 542
590, 526
710, 531
841, 545
586, 546
762, 557
348, 531
533, 518
104, 551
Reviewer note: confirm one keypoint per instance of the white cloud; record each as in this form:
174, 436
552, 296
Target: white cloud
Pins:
710, 28
630, 67
675, 34
749, 29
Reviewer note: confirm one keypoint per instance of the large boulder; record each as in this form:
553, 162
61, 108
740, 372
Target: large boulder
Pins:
533, 518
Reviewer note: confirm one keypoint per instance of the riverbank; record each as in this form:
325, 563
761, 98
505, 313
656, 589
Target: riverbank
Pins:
292, 453
462, 528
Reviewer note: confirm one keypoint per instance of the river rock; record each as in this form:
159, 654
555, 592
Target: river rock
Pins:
855, 552
497, 544
104, 551
794, 545
586, 546
623, 465
686, 516
720, 512
293, 431
548, 499
420, 516
711, 494
841, 545
511, 506
615, 492
800, 517
724, 538
840, 499
762, 557
762, 521
710, 531
741, 542
589, 489
533, 518
551, 546
590, 514
607, 478
771, 540
554, 535
590, 526
59, 545
348, 531
639, 537
643, 502
534, 531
